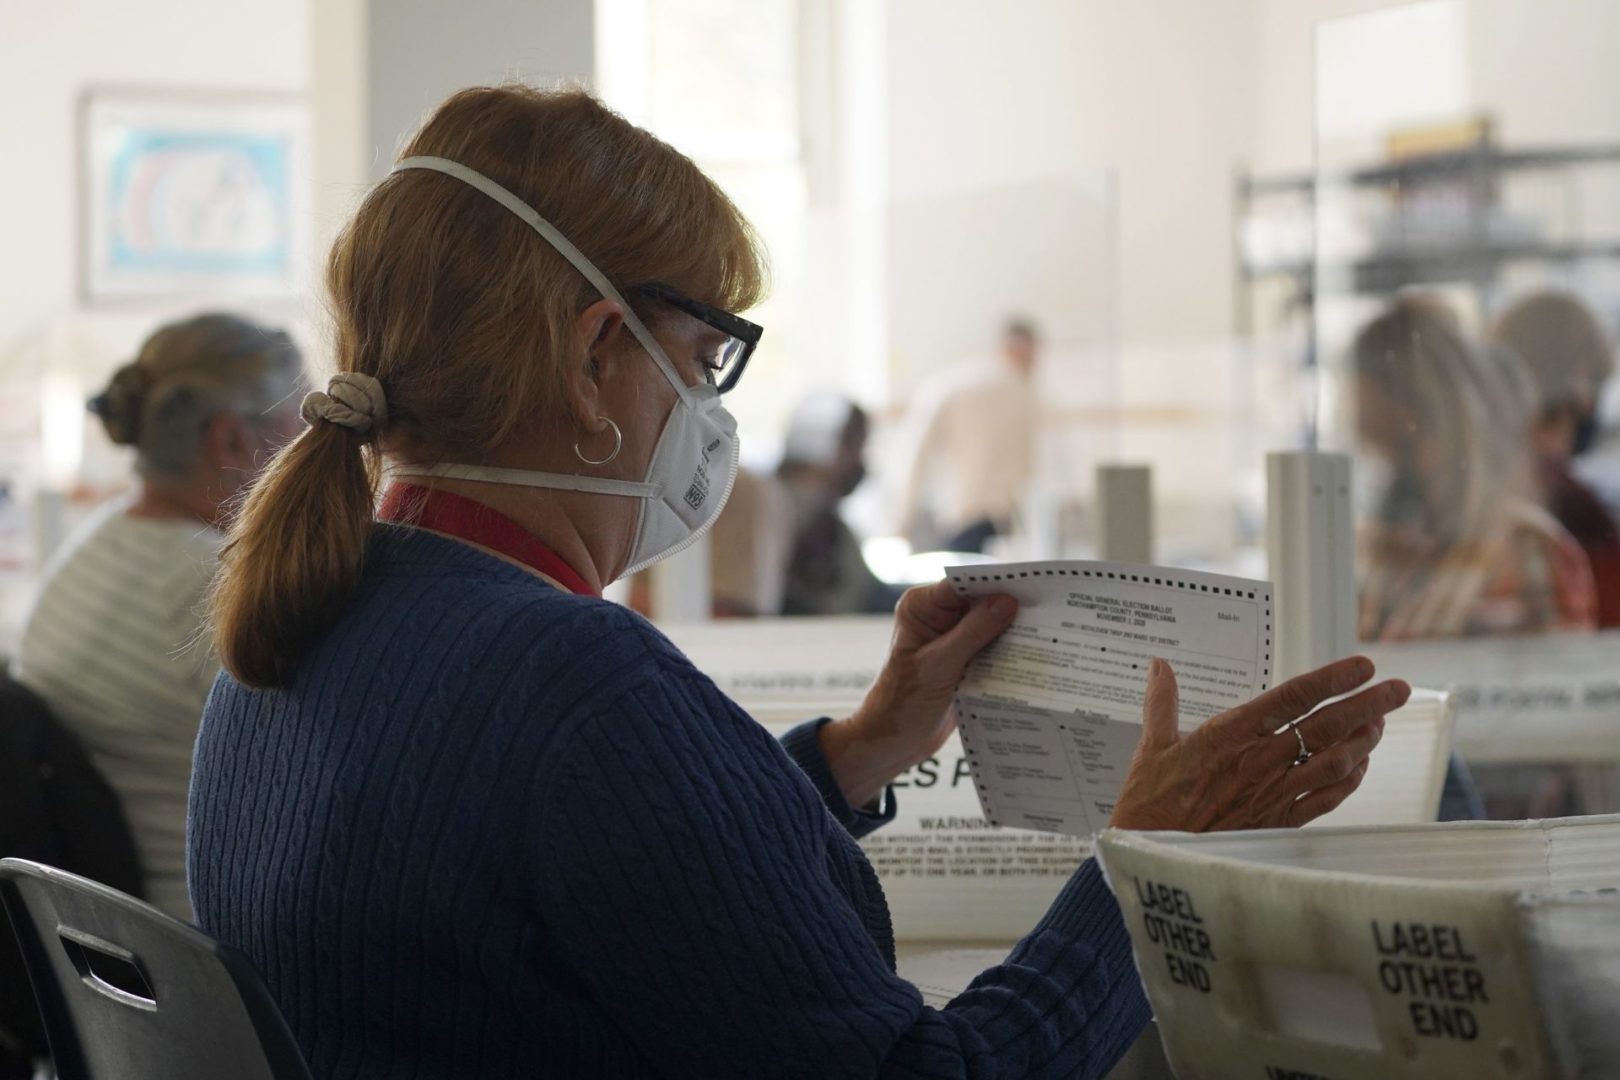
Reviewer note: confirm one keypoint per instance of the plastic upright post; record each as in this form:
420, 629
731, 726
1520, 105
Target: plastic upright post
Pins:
682, 591
1125, 513
1043, 531
1310, 540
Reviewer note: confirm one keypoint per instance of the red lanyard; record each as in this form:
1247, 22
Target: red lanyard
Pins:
456, 515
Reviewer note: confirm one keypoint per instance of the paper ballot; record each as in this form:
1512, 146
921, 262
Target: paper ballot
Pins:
1051, 712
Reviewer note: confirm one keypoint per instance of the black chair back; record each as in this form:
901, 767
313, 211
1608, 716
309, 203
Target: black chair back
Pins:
129, 992
55, 808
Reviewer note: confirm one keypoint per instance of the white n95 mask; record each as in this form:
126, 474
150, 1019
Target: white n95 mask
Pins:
694, 465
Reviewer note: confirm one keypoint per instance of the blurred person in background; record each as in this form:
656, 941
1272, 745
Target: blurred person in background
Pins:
968, 449
1569, 357
112, 641
1454, 543
749, 548
1599, 467
823, 462
781, 545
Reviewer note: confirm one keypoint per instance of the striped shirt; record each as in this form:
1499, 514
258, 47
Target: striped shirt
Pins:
110, 644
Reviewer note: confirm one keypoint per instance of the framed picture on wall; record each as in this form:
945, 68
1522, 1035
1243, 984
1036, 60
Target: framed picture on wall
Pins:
189, 194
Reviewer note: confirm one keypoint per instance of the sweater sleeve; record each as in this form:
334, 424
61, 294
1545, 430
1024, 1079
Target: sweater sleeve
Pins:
803, 745
686, 872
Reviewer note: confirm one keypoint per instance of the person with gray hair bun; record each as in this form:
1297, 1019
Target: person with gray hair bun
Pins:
201, 403
110, 641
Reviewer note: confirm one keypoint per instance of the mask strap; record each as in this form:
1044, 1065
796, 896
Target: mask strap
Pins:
526, 478
564, 247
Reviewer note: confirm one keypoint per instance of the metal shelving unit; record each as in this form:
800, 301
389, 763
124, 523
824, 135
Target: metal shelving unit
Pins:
1475, 257
1472, 251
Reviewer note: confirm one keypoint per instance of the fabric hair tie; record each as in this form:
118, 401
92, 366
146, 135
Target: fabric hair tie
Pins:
352, 399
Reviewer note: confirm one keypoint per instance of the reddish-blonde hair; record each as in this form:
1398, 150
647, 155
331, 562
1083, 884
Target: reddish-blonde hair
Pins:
467, 318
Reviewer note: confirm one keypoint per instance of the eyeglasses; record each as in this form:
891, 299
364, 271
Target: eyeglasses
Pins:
742, 336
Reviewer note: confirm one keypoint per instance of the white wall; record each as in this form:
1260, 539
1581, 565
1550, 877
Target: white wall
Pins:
371, 67
377, 67
1157, 91
368, 67
422, 50
1284, 66
1548, 70
49, 54
1028, 97
340, 96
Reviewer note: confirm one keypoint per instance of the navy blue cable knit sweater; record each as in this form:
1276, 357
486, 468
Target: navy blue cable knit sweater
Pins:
496, 830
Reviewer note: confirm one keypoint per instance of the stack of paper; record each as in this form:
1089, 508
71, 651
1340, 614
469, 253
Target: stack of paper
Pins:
1460, 950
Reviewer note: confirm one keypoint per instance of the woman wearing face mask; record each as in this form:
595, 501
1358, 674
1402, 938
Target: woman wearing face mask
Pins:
471, 820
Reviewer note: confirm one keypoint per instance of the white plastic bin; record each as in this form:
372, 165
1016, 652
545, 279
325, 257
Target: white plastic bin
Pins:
1468, 949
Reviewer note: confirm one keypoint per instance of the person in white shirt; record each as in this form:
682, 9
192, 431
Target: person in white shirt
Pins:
111, 643
969, 447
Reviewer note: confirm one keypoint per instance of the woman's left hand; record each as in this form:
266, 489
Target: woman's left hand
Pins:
906, 716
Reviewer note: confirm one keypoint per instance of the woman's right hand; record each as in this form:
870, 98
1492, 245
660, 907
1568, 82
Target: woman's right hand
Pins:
1238, 770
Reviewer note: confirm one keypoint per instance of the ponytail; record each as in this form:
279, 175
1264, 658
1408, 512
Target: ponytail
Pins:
294, 553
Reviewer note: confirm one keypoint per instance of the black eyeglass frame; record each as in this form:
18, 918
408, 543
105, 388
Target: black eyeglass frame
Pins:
724, 321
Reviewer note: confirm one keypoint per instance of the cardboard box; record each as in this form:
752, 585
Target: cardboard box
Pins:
1468, 949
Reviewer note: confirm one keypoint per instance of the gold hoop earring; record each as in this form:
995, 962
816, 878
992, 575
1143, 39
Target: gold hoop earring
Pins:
618, 444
